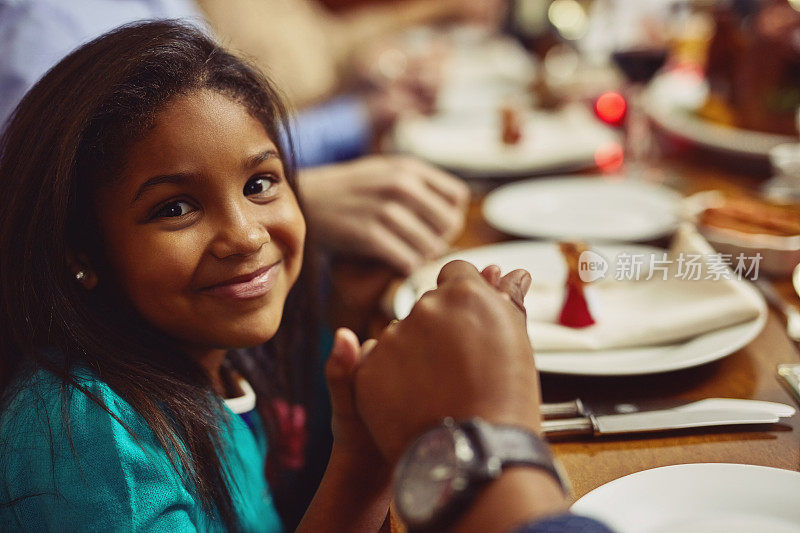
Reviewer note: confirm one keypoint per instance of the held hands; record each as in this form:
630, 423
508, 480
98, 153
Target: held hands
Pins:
462, 352
397, 210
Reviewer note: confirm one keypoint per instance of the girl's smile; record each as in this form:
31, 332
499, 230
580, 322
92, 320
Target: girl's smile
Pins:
257, 283
202, 230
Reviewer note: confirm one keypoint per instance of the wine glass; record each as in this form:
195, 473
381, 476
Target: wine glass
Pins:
638, 34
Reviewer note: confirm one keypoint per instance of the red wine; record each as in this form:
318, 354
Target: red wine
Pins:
640, 64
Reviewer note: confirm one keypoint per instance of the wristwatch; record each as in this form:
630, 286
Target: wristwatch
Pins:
445, 468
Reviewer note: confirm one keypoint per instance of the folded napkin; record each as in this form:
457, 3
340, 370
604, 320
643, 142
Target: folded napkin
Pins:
650, 312
645, 312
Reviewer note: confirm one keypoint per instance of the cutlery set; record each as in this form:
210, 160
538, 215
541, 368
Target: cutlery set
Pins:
574, 418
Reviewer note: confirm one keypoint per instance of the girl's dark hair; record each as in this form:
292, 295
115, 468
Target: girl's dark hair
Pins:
67, 138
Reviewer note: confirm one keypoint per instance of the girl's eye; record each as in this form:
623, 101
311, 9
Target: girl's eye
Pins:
174, 209
263, 186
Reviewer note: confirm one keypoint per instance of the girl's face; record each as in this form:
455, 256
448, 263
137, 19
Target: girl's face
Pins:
202, 231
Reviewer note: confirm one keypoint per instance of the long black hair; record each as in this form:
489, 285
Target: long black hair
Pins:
67, 138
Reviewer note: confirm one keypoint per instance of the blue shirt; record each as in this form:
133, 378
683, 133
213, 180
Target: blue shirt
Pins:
93, 475
337, 130
566, 523
36, 34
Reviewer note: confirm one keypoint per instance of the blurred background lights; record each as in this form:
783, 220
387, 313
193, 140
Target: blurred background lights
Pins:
561, 62
569, 18
610, 107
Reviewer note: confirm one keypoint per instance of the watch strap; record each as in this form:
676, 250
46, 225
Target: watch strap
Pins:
504, 446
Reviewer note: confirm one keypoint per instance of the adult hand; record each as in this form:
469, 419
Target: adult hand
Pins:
398, 210
400, 79
462, 352
386, 104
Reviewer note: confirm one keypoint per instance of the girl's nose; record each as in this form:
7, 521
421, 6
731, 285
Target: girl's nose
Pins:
239, 233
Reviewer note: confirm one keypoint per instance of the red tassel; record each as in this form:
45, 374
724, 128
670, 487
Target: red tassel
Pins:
575, 312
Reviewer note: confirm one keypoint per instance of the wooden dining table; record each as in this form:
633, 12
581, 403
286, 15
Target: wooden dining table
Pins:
748, 373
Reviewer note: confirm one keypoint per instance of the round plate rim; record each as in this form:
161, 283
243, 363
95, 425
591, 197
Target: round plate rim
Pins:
492, 172
579, 505
678, 120
592, 180
751, 329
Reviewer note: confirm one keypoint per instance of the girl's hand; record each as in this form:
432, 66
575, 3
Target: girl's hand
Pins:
354, 494
350, 435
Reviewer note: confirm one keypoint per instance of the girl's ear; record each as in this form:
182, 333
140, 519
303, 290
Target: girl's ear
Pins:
82, 270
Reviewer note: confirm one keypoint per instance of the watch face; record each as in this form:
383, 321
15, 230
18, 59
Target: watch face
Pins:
431, 473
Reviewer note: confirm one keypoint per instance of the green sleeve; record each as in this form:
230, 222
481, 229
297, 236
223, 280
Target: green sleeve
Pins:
100, 479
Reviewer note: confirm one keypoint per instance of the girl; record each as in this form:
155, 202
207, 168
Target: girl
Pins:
150, 224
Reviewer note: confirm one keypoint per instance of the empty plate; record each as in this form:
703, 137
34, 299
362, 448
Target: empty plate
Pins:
694, 498
590, 209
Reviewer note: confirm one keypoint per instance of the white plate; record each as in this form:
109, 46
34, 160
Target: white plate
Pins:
546, 265
591, 209
694, 498
470, 143
671, 101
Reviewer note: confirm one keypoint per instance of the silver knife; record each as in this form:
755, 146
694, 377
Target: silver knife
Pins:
577, 408
704, 413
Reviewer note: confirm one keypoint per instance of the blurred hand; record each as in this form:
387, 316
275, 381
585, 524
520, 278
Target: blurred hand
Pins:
462, 352
386, 104
399, 81
397, 210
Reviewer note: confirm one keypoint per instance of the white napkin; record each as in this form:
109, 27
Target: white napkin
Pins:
636, 313
644, 313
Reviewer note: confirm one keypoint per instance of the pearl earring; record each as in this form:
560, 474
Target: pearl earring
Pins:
80, 275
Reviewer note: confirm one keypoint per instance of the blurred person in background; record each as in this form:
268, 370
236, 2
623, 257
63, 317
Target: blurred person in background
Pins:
355, 61
314, 53
313, 56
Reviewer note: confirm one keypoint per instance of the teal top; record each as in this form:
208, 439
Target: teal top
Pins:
105, 480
